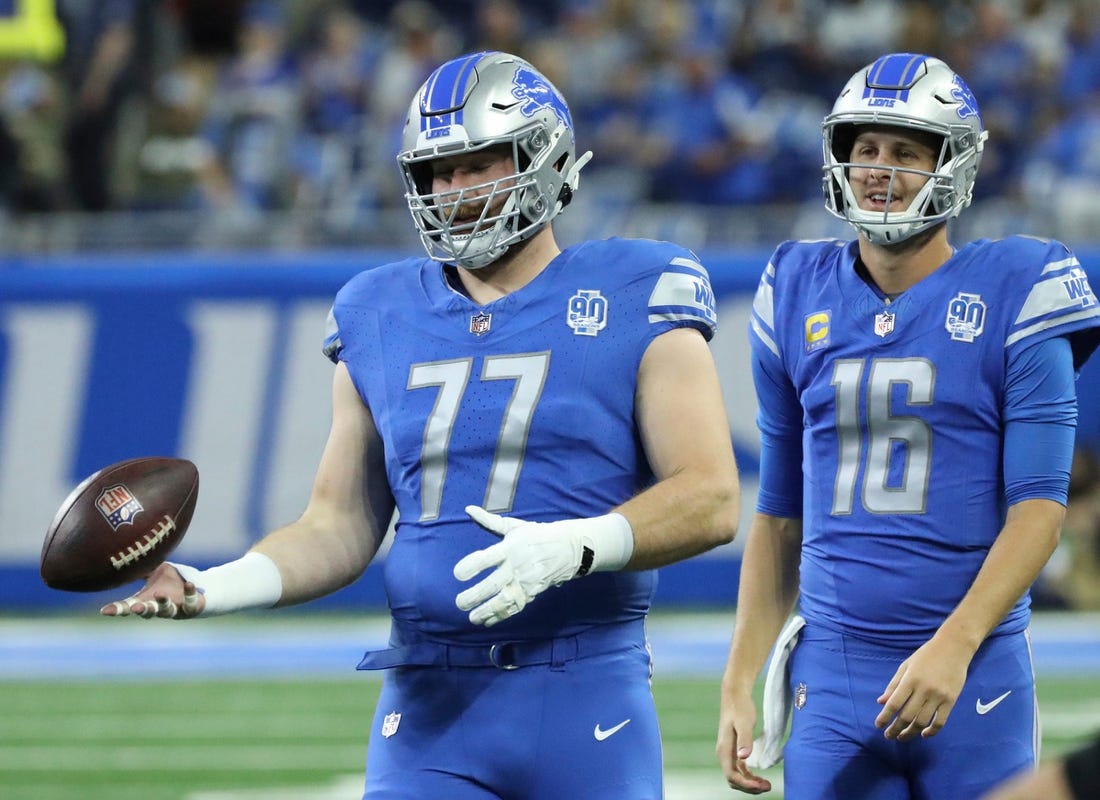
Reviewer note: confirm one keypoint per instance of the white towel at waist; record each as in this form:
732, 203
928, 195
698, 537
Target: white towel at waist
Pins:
767, 749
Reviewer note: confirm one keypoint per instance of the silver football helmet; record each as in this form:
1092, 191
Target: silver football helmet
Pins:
478, 101
912, 91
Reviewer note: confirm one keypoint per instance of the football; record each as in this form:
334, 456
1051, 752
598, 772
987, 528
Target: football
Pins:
119, 524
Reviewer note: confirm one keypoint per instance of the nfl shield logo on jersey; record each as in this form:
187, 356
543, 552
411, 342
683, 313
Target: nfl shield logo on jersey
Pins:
884, 323
390, 723
479, 323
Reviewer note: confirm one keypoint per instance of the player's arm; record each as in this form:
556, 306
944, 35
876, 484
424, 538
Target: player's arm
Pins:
1040, 422
325, 549
768, 589
349, 508
695, 503
693, 506
766, 597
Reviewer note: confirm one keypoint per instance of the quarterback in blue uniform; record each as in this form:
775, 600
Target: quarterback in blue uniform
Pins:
549, 429
917, 416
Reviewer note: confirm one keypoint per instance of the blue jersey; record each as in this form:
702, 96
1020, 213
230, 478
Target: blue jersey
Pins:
900, 409
524, 406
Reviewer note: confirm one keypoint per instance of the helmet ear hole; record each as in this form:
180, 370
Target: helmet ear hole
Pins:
422, 177
844, 136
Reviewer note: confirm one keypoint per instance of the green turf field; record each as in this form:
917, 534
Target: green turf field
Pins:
304, 739
127, 735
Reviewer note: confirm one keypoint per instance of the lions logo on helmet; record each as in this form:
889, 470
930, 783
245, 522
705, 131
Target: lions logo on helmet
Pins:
923, 94
537, 93
470, 104
969, 103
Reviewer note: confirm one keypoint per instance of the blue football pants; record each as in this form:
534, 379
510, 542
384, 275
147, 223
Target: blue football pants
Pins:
583, 729
835, 752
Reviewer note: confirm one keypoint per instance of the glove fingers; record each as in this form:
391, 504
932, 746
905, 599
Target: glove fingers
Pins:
484, 589
479, 561
507, 603
492, 522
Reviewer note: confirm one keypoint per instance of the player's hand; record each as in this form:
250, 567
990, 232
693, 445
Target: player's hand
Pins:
923, 691
736, 721
533, 556
165, 594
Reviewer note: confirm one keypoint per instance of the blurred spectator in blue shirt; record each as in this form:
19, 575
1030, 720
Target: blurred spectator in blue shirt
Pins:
1000, 69
253, 117
1061, 179
337, 70
500, 25
418, 38
1081, 68
713, 152
777, 48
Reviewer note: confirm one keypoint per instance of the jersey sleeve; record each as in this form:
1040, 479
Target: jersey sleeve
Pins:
762, 320
331, 346
779, 418
683, 297
1060, 301
779, 413
1040, 422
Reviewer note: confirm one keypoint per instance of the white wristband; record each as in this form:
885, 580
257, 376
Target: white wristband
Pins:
252, 581
610, 540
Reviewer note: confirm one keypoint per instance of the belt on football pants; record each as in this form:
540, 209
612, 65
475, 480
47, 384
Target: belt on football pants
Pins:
410, 648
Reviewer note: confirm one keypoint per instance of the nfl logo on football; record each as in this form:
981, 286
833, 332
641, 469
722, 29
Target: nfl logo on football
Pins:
390, 723
118, 506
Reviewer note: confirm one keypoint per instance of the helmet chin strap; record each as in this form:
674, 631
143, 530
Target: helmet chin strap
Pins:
878, 228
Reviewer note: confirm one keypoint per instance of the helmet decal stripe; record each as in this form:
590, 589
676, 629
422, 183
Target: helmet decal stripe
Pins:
445, 90
893, 75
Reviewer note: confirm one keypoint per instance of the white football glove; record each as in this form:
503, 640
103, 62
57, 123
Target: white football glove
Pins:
533, 556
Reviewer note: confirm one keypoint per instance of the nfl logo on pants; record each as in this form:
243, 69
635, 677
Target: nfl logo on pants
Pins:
390, 723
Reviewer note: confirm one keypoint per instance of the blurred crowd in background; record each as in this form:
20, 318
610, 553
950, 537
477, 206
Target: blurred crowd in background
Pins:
131, 124
256, 108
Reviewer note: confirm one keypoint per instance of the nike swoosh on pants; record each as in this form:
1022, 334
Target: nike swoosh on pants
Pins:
601, 734
985, 708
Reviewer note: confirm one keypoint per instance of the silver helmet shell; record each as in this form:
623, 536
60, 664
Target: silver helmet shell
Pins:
478, 101
921, 93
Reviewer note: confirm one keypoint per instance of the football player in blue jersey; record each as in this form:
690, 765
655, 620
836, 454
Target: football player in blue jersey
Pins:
549, 427
917, 411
